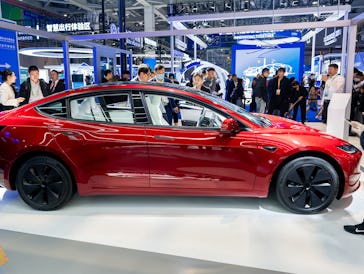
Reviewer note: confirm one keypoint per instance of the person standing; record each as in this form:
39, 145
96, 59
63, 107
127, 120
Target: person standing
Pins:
312, 97
170, 104
33, 88
281, 90
231, 84
212, 83
144, 74
299, 93
88, 80
334, 84
197, 80
227, 83
172, 79
56, 84
126, 76
236, 91
261, 90
160, 74
7, 93
107, 76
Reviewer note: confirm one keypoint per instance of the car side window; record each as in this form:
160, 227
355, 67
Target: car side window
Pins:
114, 108
56, 109
173, 111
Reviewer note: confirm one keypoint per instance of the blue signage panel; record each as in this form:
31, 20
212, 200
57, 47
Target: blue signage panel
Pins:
9, 52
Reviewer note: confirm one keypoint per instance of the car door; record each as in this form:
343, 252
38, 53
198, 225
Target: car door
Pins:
104, 137
194, 155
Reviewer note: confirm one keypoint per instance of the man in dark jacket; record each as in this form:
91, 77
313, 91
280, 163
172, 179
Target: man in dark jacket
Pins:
299, 93
236, 91
230, 85
55, 84
261, 90
107, 76
281, 92
33, 88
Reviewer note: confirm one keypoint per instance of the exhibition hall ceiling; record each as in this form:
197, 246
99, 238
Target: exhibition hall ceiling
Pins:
91, 9
71, 11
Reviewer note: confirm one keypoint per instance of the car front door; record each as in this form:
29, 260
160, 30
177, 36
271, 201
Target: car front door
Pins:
192, 154
104, 137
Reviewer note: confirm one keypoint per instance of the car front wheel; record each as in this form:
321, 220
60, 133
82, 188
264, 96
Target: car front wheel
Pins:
307, 185
44, 183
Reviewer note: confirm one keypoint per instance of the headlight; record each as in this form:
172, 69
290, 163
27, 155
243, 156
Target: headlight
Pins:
349, 148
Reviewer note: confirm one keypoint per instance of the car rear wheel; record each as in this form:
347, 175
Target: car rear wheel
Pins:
44, 183
307, 185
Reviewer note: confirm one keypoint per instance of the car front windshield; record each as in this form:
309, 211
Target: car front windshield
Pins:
256, 119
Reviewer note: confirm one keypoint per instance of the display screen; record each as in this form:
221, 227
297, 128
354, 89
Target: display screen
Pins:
247, 63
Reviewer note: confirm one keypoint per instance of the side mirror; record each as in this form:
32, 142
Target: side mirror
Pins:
229, 127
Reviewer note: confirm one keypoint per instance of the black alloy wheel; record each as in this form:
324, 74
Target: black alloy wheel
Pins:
44, 183
307, 185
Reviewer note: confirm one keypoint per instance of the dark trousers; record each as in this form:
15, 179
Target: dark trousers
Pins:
324, 111
302, 105
282, 106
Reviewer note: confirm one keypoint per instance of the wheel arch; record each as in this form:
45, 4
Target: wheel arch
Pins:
21, 160
317, 154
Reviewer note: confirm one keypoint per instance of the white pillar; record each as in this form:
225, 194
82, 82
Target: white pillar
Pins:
172, 51
149, 19
344, 67
313, 53
194, 50
350, 57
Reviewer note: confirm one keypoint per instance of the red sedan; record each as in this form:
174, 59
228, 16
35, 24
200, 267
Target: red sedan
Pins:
125, 139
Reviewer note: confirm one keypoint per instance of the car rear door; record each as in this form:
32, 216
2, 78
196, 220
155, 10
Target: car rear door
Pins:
194, 155
105, 139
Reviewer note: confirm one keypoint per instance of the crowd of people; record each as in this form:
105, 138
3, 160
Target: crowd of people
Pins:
31, 89
272, 94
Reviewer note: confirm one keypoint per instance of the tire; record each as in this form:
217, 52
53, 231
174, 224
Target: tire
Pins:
44, 183
307, 185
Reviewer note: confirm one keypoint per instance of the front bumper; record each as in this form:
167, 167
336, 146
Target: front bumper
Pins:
353, 184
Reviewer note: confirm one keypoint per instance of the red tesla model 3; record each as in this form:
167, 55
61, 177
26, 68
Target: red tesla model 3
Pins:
121, 139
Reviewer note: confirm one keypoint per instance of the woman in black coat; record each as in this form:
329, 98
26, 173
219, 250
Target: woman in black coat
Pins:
237, 93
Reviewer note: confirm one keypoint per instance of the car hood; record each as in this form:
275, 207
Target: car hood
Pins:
283, 126
283, 123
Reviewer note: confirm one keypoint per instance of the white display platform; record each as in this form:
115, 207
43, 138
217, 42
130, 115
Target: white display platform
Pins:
338, 115
248, 232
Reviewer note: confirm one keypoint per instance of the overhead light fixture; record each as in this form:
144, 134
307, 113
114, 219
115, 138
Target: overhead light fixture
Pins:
194, 8
228, 5
295, 3
283, 4
244, 5
57, 52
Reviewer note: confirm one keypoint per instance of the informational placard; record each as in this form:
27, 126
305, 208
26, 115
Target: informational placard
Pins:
9, 52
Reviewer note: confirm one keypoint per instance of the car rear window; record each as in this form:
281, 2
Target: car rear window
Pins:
55, 109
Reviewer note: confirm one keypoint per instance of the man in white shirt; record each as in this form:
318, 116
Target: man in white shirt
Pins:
335, 84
